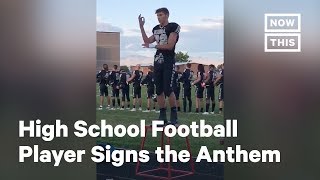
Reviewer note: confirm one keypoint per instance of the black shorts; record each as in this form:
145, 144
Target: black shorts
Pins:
103, 90
186, 92
221, 93
150, 93
210, 93
199, 91
164, 66
177, 92
136, 93
125, 93
115, 92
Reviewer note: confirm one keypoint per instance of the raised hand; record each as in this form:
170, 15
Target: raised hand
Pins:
141, 20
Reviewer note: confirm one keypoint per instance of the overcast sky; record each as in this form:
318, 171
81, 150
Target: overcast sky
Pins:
201, 27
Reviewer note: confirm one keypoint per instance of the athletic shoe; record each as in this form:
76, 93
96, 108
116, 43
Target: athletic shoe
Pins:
133, 109
205, 113
112, 109
100, 108
127, 108
154, 110
121, 109
140, 109
211, 112
146, 111
157, 111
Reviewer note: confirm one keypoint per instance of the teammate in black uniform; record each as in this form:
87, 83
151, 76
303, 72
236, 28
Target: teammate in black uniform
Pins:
176, 85
125, 88
136, 80
209, 91
149, 82
166, 36
102, 79
114, 83
219, 82
186, 78
199, 88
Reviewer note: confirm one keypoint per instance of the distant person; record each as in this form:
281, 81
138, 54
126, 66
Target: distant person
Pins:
219, 82
114, 83
149, 82
176, 85
166, 36
199, 88
102, 79
125, 89
136, 80
186, 79
209, 91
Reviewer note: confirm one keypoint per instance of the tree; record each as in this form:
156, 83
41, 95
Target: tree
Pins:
125, 68
182, 57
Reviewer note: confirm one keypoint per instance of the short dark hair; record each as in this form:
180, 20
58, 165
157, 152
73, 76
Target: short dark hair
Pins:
115, 66
164, 10
200, 67
189, 65
105, 66
212, 66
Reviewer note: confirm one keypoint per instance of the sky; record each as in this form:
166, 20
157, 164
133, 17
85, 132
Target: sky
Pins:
201, 34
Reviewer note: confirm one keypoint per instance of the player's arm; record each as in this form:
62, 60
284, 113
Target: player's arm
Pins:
218, 79
145, 80
131, 78
207, 75
146, 39
172, 40
197, 80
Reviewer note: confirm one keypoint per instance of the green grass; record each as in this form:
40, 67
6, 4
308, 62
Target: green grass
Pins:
127, 118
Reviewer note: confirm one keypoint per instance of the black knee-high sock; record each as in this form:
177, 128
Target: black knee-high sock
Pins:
179, 109
190, 103
207, 107
163, 114
113, 102
184, 104
173, 115
118, 102
213, 106
201, 110
197, 110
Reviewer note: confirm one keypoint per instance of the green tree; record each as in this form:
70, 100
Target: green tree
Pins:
182, 57
125, 68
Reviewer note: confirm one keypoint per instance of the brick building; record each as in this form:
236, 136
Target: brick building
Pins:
108, 49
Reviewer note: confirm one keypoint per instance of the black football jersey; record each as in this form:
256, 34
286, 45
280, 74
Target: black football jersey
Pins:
161, 35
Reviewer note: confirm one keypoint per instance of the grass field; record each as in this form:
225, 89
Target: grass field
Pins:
127, 118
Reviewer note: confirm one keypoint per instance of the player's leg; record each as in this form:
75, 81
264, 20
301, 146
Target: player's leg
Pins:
207, 97
101, 88
134, 98
184, 100
158, 79
168, 74
149, 96
113, 98
201, 99
189, 98
118, 97
197, 99
128, 97
123, 98
139, 98
213, 103
177, 94
221, 97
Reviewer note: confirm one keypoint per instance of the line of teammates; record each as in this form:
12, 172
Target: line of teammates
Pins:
119, 82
